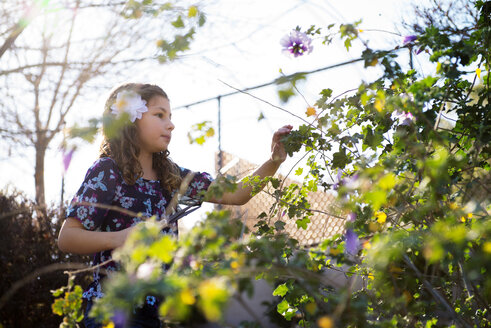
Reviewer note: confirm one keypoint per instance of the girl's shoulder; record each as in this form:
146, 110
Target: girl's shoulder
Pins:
104, 164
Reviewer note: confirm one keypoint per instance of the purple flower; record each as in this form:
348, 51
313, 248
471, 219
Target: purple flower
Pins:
351, 217
409, 39
297, 43
352, 242
420, 49
67, 158
119, 319
351, 182
406, 118
339, 180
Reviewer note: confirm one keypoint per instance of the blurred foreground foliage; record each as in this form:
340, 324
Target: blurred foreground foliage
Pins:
409, 157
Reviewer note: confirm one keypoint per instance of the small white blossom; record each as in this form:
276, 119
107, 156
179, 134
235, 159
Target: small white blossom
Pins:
131, 103
145, 270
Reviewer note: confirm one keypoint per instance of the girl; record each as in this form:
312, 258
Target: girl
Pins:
134, 172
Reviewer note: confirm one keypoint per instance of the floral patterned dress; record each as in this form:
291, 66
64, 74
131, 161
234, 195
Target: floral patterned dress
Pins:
104, 184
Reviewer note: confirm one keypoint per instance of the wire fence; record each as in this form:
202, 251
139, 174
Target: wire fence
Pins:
326, 221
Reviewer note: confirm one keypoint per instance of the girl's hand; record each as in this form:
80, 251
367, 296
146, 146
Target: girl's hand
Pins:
278, 153
121, 236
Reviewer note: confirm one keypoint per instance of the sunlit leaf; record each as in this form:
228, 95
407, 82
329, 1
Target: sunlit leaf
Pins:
310, 111
163, 249
478, 72
178, 23
388, 181
281, 290
193, 11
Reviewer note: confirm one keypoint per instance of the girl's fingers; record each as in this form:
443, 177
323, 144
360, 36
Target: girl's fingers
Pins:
284, 130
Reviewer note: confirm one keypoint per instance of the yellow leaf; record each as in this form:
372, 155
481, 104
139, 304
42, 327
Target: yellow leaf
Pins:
212, 289
200, 140
163, 249
370, 276
379, 105
487, 247
334, 251
234, 265
381, 217
109, 325
310, 111
373, 62
193, 11
469, 215
187, 297
388, 181
463, 219
438, 67
311, 307
159, 43
478, 72
210, 132
372, 226
395, 269
325, 322
453, 206
360, 30
367, 245
407, 296
213, 294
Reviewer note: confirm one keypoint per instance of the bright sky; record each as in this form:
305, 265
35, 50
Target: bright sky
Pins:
239, 45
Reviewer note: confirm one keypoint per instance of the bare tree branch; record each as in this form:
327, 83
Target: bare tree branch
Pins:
55, 58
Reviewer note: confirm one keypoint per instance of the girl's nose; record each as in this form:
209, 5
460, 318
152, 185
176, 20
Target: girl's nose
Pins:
171, 126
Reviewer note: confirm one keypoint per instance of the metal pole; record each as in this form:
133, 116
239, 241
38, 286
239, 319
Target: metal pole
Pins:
410, 57
62, 189
220, 154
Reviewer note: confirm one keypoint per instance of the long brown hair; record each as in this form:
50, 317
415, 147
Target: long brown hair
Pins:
124, 145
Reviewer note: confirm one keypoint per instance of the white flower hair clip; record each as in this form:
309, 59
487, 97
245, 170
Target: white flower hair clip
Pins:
131, 103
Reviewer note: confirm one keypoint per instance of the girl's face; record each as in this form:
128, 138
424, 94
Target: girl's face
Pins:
155, 127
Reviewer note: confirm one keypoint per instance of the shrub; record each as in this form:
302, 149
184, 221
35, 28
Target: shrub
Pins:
28, 244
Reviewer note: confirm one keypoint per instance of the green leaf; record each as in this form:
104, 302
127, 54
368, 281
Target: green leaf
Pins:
58, 292
202, 19
279, 225
281, 290
340, 159
387, 182
377, 198
57, 306
163, 249
285, 94
283, 306
178, 23
302, 223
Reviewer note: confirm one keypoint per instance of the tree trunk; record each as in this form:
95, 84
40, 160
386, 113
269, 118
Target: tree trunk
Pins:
39, 173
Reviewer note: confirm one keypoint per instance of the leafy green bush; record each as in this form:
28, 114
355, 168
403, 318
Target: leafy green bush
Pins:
28, 244
416, 192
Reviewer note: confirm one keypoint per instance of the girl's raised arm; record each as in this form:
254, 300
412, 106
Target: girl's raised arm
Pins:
278, 155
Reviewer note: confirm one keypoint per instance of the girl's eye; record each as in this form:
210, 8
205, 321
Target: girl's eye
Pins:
160, 115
